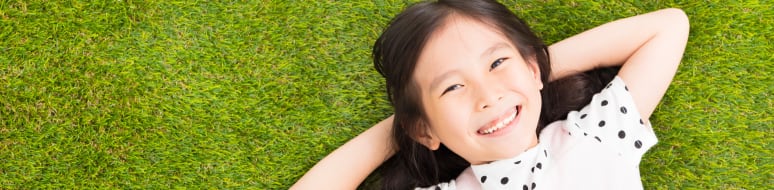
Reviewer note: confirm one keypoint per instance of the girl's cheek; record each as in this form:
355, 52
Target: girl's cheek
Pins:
452, 106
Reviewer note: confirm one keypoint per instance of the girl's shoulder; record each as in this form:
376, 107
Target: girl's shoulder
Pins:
610, 120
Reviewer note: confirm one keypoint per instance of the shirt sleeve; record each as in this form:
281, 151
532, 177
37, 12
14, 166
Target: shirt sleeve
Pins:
612, 119
442, 186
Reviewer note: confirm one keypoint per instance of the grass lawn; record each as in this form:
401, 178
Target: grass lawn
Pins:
251, 94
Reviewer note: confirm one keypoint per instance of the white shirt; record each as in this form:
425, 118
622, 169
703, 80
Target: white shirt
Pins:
598, 147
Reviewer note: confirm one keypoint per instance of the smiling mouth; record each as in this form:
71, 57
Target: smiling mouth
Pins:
502, 123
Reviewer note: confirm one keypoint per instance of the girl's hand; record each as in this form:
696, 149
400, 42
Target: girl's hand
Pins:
649, 46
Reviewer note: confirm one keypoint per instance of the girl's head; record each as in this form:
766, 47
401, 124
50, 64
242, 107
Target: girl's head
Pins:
465, 75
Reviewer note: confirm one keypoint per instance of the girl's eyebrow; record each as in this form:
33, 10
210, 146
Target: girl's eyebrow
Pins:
492, 49
441, 78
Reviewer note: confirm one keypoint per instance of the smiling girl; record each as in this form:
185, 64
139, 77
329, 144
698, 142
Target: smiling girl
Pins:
473, 87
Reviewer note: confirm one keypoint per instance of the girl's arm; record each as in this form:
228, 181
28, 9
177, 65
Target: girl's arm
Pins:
649, 48
350, 164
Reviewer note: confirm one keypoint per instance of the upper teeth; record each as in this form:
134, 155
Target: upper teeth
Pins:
502, 123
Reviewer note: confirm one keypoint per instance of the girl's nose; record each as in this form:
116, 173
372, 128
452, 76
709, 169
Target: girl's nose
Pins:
488, 97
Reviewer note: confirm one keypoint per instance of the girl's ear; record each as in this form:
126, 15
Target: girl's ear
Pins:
536, 73
427, 137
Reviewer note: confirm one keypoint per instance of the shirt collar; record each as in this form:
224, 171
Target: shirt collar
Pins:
515, 172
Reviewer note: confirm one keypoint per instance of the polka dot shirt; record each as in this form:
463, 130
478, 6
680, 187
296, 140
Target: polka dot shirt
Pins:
598, 147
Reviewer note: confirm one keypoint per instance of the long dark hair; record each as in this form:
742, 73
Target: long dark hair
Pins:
395, 54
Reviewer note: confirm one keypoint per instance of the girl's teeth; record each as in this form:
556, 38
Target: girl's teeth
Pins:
502, 123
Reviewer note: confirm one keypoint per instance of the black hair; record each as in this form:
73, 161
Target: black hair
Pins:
395, 54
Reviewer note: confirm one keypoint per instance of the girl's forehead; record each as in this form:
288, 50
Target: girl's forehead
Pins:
463, 34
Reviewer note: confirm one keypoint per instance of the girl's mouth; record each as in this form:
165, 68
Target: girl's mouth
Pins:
501, 123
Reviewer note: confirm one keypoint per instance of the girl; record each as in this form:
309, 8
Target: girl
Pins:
474, 88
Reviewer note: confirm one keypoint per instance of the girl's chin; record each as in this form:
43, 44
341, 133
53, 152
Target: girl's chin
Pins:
513, 148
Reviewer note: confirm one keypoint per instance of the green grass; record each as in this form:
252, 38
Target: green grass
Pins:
133, 94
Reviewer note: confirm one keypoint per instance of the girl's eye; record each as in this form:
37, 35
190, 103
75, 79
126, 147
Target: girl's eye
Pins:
496, 63
452, 87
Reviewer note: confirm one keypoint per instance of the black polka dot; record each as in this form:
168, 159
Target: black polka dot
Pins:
638, 144
623, 110
602, 123
504, 180
604, 102
569, 133
539, 165
525, 187
621, 134
483, 179
517, 162
642, 123
608, 85
545, 152
437, 188
626, 88
596, 137
585, 134
533, 185
533, 170
583, 116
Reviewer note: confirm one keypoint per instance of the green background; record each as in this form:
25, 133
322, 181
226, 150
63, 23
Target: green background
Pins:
251, 94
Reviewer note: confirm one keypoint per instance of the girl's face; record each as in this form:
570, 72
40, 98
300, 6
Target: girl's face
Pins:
481, 98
